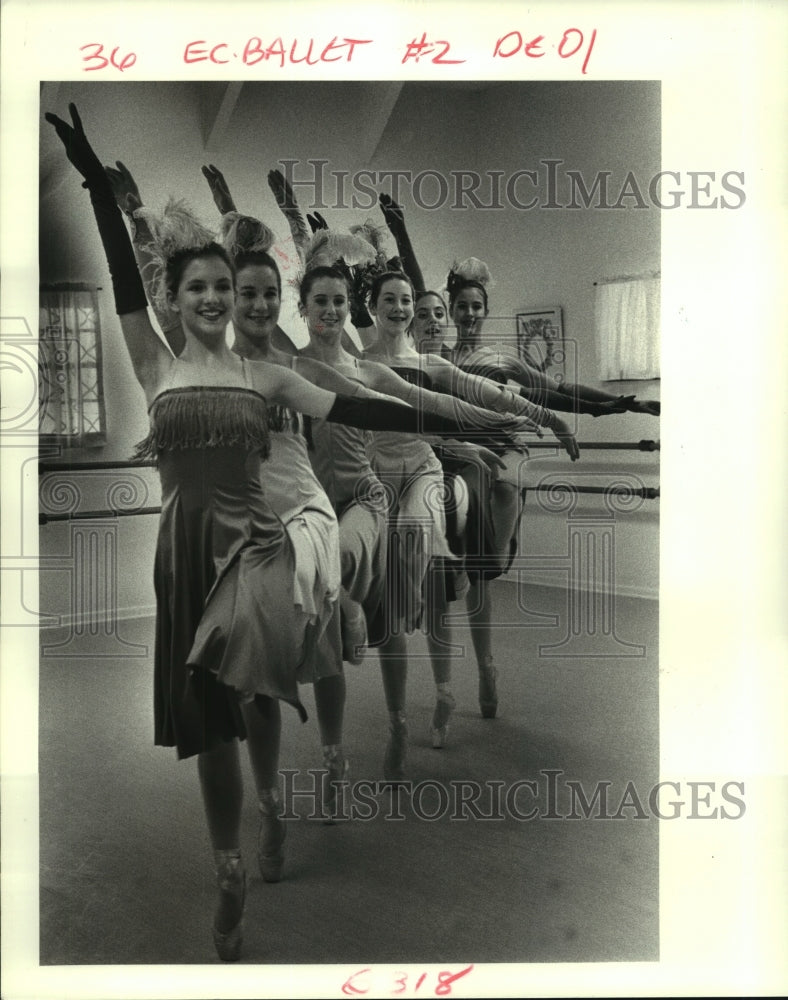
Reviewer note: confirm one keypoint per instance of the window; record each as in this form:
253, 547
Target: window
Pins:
627, 321
71, 398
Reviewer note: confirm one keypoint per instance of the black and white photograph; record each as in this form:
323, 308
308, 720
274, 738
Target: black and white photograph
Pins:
357, 591
503, 576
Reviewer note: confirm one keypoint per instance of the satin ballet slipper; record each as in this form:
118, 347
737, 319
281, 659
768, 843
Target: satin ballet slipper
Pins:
439, 728
488, 695
395, 759
231, 880
271, 836
337, 767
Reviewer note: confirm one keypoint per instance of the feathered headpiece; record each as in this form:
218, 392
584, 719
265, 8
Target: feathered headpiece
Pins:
245, 234
346, 251
469, 270
172, 231
374, 235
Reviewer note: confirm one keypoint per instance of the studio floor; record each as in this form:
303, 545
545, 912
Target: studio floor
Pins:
125, 865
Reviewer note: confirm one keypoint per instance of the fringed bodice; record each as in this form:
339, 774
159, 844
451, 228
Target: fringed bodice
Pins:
197, 417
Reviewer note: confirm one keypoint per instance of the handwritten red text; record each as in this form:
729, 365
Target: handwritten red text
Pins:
254, 50
421, 47
96, 59
400, 983
571, 44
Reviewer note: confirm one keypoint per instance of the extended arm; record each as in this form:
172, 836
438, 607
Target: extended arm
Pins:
395, 389
149, 356
475, 418
566, 396
368, 411
486, 393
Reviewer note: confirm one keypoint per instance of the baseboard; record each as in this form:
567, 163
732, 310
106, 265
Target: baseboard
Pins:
529, 578
556, 582
121, 615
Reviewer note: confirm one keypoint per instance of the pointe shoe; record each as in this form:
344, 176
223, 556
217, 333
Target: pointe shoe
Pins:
337, 767
271, 836
396, 755
439, 728
488, 696
354, 633
231, 879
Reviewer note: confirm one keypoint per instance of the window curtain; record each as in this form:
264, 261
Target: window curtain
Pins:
71, 399
627, 324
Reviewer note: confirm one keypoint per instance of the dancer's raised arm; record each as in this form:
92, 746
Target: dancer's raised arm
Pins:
150, 357
395, 220
129, 199
286, 200
219, 189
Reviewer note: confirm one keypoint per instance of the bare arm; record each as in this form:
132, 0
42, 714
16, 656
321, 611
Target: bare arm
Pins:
281, 385
329, 378
497, 397
382, 378
566, 396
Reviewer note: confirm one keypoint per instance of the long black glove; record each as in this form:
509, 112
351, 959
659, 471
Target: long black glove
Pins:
374, 414
126, 282
395, 220
566, 402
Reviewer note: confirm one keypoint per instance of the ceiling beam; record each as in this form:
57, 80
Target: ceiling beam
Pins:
375, 116
217, 103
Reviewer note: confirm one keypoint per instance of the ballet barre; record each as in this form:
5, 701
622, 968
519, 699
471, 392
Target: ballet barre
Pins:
91, 515
616, 489
610, 445
44, 467
646, 492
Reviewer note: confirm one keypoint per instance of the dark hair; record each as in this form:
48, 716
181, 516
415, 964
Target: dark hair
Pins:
425, 293
178, 262
456, 285
258, 258
385, 276
314, 274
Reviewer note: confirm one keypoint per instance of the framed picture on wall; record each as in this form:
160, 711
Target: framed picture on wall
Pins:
540, 339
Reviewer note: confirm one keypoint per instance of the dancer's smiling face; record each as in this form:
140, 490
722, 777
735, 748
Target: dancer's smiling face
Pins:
258, 302
469, 311
393, 307
204, 297
430, 323
325, 306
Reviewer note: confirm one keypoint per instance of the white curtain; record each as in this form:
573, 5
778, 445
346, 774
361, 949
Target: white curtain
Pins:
71, 402
627, 323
